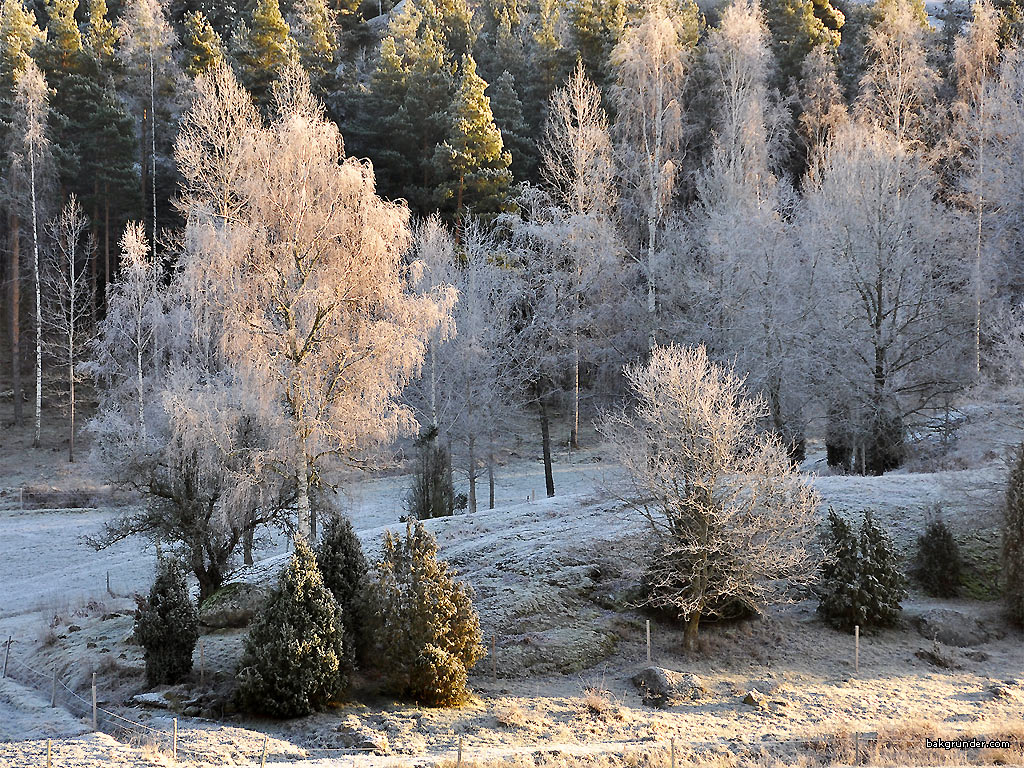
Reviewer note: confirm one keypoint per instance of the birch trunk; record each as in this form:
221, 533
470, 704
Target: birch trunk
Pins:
39, 315
15, 316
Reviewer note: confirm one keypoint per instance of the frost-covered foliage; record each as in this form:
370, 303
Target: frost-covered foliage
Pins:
471, 380
295, 661
730, 517
167, 626
891, 332
1013, 540
320, 321
937, 564
343, 567
428, 632
861, 584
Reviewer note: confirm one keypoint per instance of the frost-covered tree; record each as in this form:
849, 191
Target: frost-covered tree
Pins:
651, 64
69, 297
167, 626
898, 88
731, 519
30, 151
471, 380
577, 228
428, 632
976, 56
745, 279
18, 35
295, 660
887, 279
320, 319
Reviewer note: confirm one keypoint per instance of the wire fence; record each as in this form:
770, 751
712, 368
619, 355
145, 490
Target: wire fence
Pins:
853, 748
31, 498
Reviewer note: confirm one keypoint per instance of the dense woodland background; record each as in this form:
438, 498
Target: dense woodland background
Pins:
828, 196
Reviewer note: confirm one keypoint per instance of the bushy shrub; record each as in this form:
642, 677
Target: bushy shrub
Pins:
167, 626
294, 661
937, 564
861, 583
432, 493
1013, 540
428, 632
886, 447
343, 567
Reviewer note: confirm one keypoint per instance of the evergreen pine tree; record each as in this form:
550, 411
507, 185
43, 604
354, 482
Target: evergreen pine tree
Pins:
472, 159
101, 35
167, 626
515, 133
1013, 540
798, 26
428, 632
294, 661
316, 39
64, 39
595, 27
203, 46
343, 566
262, 48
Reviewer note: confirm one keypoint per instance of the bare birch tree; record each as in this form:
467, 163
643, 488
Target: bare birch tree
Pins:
69, 297
731, 520
31, 109
651, 64
976, 56
578, 170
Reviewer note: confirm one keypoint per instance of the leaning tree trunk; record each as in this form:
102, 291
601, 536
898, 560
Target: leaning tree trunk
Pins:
545, 433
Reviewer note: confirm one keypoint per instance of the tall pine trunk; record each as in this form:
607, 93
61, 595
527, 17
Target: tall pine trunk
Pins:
38, 307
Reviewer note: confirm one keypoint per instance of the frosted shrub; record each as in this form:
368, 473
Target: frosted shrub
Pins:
938, 566
294, 661
427, 630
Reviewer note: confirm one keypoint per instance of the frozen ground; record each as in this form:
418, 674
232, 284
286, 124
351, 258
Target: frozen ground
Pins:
552, 578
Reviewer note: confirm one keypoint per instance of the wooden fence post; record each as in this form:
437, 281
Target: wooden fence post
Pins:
458, 764
49, 759
174, 739
648, 641
673, 743
53, 689
856, 649
263, 756
95, 726
7, 654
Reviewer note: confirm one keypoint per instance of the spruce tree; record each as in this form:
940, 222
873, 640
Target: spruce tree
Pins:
1013, 540
295, 661
937, 565
343, 566
515, 133
202, 44
262, 48
432, 493
861, 581
167, 626
428, 632
473, 159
